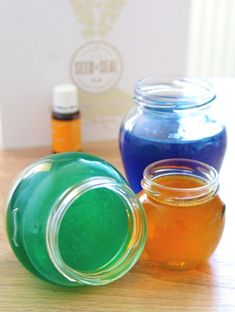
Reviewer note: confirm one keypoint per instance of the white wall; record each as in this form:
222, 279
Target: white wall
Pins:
1, 142
38, 39
31, 62
211, 47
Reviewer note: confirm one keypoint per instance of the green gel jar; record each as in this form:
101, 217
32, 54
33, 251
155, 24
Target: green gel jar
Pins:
72, 220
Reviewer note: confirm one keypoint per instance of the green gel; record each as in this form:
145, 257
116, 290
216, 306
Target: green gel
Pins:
87, 242
99, 230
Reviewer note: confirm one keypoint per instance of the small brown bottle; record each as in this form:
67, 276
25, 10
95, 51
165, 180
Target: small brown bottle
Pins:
66, 124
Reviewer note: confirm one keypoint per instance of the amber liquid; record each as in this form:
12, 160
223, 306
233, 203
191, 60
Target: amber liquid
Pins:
182, 236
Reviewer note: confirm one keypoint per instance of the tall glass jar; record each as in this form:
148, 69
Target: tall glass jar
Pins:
72, 220
173, 117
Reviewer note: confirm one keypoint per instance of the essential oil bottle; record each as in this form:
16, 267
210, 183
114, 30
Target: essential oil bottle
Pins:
66, 125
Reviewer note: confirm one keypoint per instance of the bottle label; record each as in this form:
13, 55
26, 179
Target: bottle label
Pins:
66, 135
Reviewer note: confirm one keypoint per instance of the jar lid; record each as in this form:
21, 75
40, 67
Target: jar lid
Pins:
96, 232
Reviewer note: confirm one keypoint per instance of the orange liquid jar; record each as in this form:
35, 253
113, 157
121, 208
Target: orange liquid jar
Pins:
184, 212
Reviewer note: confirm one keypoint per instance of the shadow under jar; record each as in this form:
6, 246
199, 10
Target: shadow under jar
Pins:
184, 212
174, 117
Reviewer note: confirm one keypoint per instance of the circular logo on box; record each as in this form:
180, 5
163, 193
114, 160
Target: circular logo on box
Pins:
96, 67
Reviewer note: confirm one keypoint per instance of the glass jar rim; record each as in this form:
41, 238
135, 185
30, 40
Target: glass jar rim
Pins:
184, 167
173, 93
125, 261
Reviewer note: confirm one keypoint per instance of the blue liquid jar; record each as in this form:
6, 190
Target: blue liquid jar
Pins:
174, 117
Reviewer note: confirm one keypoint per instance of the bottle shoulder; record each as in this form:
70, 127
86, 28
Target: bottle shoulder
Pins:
150, 124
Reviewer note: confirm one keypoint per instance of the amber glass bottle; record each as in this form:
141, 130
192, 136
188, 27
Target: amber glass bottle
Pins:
66, 126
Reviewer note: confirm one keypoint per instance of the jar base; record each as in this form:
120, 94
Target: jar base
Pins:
179, 265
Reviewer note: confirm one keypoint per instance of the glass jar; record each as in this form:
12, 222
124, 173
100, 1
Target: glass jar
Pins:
72, 220
173, 118
184, 212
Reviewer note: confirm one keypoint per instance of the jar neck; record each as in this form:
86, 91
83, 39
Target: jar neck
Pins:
173, 94
124, 259
200, 182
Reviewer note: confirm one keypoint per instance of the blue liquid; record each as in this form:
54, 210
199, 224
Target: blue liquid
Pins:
138, 152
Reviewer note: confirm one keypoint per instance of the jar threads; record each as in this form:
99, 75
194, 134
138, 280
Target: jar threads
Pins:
173, 93
125, 258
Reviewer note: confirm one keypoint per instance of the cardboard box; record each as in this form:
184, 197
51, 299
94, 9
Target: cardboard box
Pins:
103, 46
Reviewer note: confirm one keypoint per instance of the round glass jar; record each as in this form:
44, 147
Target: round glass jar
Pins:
72, 220
173, 118
184, 212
